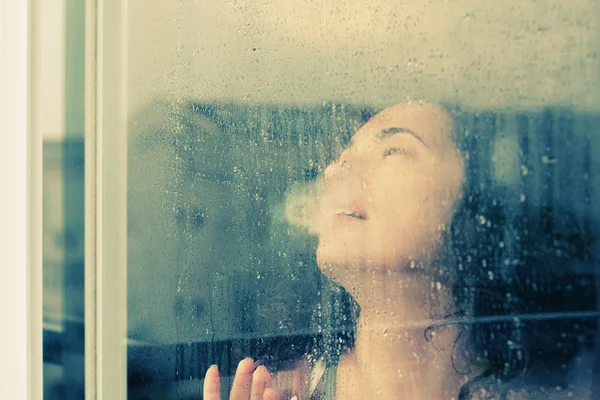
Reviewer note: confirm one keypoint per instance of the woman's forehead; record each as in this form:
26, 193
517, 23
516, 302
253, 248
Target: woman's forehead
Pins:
431, 123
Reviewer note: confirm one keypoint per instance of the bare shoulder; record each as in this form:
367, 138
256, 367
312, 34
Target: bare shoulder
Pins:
348, 381
293, 380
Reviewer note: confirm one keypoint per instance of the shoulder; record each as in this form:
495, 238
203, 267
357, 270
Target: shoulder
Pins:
294, 379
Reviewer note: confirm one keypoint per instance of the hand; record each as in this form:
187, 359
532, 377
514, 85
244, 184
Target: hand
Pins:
248, 384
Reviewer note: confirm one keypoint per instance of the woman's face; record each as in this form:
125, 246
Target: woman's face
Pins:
392, 192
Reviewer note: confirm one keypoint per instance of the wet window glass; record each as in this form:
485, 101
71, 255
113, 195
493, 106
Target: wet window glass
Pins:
358, 199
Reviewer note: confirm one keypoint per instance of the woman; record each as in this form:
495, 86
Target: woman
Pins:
424, 254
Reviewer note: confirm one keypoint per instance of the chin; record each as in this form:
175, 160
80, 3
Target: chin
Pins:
343, 258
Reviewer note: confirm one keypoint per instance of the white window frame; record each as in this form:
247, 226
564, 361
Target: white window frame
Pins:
106, 200
21, 203
20, 212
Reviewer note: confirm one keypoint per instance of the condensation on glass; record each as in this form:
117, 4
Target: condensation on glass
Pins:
278, 209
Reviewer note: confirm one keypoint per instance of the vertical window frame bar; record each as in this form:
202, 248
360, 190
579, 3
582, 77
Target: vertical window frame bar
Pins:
106, 200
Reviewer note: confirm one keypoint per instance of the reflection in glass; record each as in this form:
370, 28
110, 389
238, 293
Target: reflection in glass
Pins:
63, 262
57, 76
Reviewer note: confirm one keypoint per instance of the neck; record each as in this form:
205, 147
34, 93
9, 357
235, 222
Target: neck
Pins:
396, 309
387, 297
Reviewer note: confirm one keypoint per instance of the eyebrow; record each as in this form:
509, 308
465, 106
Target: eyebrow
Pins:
385, 133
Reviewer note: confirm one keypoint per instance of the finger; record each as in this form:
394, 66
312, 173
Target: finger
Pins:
212, 384
272, 394
243, 378
261, 379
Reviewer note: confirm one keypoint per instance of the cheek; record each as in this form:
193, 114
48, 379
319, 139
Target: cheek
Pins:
404, 201
410, 214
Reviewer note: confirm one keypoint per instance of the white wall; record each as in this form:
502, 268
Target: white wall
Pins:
14, 348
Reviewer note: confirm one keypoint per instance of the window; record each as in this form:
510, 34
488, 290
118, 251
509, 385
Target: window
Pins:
364, 198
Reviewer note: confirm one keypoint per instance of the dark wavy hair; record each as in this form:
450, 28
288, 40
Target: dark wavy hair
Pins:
522, 279
521, 291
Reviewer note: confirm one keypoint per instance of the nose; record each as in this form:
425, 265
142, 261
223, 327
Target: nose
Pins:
334, 169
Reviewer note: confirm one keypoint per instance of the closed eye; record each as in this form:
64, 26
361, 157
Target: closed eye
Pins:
394, 150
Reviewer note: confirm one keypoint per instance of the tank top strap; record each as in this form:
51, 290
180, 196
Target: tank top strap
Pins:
330, 383
323, 382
